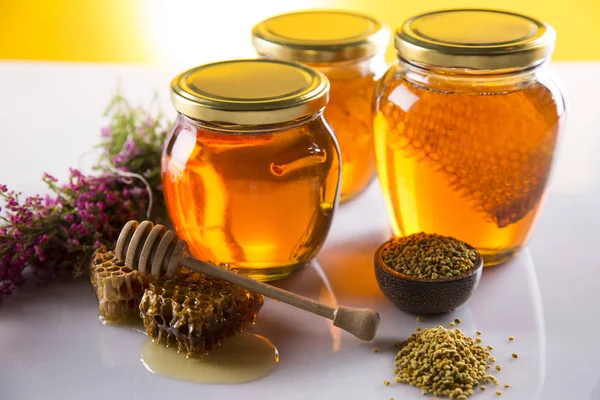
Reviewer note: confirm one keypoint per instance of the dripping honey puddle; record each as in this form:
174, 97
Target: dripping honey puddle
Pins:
131, 323
243, 358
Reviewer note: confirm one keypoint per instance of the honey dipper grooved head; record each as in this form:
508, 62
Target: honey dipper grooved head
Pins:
150, 249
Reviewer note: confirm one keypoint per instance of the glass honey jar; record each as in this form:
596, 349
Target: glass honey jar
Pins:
251, 170
349, 49
466, 127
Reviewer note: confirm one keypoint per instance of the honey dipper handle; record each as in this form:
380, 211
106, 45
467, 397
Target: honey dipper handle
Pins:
362, 323
259, 287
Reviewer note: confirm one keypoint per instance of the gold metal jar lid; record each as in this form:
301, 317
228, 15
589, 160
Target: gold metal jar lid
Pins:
249, 92
318, 36
474, 38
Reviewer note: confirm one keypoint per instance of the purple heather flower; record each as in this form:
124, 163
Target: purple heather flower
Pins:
130, 146
111, 198
74, 173
39, 253
55, 235
137, 192
12, 203
118, 159
16, 233
49, 178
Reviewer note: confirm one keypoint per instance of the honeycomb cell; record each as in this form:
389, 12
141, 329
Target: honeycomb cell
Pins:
195, 312
118, 288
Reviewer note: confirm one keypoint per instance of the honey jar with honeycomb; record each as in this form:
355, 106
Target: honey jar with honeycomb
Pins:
466, 127
349, 49
251, 170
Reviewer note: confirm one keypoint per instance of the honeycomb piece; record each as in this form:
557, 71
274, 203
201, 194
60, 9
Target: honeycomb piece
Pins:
195, 312
118, 288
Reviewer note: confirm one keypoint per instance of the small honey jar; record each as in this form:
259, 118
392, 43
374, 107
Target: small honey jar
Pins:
466, 127
251, 170
349, 49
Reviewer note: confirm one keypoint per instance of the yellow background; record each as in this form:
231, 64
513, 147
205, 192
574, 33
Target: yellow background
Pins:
185, 32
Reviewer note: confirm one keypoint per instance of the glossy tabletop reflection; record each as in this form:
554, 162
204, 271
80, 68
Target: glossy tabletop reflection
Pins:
54, 347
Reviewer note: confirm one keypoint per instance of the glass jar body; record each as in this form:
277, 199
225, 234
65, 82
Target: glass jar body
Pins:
350, 114
261, 200
467, 154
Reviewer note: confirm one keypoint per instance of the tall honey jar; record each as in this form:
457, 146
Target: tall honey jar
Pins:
466, 127
251, 169
349, 49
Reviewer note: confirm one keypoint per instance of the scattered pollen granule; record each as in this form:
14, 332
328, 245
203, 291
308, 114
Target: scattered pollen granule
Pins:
427, 358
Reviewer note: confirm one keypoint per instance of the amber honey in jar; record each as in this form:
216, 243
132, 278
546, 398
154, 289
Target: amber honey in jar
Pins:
349, 49
251, 170
466, 127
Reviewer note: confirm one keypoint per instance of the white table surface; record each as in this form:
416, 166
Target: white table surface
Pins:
53, 347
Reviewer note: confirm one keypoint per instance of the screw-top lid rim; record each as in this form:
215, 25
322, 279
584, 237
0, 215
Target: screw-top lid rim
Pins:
249, 92
368, 39
531, 43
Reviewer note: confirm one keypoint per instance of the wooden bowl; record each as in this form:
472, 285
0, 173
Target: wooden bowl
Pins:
426, 296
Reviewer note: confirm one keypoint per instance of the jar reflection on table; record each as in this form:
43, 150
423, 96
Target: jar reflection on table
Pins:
260, 198
467, 152
349, 49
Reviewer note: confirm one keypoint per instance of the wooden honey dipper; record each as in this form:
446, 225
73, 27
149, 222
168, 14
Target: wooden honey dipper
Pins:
156, 250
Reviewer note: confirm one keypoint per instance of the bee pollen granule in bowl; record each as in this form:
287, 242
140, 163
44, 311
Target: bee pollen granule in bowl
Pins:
429, 256
442, 362
427, 273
